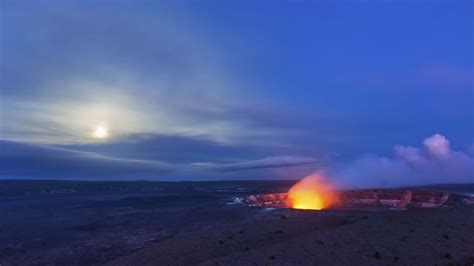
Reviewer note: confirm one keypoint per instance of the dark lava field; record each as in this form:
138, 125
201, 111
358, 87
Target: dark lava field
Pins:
189, 223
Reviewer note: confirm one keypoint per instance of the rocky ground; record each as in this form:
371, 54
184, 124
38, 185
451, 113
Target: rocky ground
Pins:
291, 237
153, 223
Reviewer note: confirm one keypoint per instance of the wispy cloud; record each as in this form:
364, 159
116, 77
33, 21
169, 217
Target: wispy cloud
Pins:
40, 161
164, 77
19, 160
271, 162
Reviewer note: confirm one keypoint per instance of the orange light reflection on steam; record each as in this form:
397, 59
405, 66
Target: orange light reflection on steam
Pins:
311, 193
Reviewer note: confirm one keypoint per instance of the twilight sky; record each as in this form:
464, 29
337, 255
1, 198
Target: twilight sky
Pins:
367, 91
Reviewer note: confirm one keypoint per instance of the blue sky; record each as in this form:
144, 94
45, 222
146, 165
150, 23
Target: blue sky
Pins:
274, 89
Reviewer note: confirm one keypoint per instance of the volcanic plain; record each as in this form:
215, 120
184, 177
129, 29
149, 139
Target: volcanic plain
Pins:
203, 223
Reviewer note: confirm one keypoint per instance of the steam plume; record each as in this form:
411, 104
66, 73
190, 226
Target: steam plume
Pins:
435, 162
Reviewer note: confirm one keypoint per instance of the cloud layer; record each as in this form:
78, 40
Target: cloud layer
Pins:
19, 160
434, 162
33, 161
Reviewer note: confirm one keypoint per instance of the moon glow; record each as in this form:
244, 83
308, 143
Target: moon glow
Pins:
101, 132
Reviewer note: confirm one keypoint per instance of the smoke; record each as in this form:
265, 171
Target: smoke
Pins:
433, 163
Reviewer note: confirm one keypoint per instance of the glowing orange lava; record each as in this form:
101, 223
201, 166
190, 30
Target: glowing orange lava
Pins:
311, 193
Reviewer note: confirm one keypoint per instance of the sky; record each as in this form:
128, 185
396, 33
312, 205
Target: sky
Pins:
366, 91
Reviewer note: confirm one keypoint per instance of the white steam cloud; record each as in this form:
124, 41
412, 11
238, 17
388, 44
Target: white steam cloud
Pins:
433, 163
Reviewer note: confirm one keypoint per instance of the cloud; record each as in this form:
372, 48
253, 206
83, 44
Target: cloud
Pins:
163, 70
40, 161
179, 158
172, 148
134, 71
19, 160
437, 145
433, 163
271, 162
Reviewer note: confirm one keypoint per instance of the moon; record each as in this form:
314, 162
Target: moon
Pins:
101, 132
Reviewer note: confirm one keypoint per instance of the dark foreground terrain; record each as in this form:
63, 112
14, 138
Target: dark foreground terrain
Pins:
186, 223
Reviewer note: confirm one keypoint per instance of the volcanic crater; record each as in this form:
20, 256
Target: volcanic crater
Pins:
368, 199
